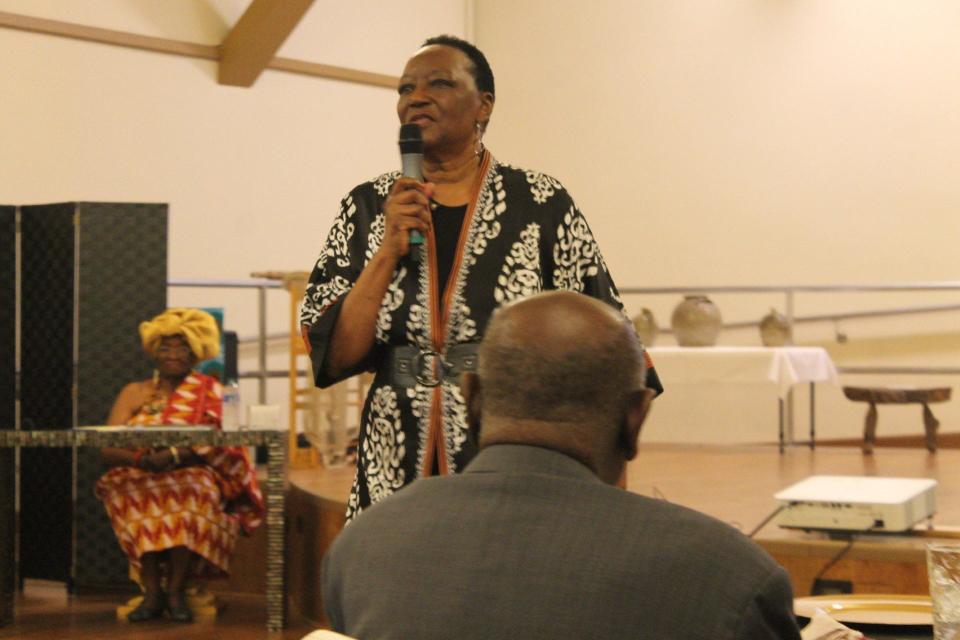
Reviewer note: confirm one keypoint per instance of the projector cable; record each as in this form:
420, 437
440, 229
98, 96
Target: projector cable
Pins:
763, 523
840, 554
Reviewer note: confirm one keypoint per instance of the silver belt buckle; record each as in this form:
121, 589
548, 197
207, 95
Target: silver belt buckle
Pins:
429, 372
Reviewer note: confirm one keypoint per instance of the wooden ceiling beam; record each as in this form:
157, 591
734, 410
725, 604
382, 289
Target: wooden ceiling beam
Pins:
106, 36
253, 42
189, 49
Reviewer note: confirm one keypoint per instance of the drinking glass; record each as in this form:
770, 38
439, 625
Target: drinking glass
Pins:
943, 568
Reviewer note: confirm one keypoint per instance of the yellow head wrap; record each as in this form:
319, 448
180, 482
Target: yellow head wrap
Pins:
197, 327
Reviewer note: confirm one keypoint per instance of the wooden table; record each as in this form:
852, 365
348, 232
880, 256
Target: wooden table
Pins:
275, 442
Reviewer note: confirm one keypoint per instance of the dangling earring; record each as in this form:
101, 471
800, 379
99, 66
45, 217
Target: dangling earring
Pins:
478, 148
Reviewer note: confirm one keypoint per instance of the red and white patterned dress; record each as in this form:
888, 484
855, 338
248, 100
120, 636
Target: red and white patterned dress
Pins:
200, 507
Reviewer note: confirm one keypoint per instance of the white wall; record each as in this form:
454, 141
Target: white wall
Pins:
253, 176
719, 141
752, 142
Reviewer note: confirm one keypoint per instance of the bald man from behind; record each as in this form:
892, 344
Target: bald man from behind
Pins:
534, 540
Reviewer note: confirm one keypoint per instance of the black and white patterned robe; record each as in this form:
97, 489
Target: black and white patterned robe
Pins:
525, 235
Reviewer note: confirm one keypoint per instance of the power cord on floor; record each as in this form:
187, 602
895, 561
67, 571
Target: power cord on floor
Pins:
763, 523
839, 555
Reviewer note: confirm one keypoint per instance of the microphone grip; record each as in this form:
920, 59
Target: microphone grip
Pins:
416, 242
412, 167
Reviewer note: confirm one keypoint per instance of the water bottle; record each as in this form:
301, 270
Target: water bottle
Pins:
231, 406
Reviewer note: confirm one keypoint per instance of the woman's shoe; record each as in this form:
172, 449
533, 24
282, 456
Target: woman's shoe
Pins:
180, 612
145, 612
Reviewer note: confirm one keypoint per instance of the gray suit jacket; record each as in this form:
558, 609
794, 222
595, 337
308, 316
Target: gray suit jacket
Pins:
528, 543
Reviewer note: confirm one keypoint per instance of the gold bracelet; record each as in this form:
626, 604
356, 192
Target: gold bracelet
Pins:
176, 456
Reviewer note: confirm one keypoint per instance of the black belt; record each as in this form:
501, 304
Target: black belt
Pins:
408, 366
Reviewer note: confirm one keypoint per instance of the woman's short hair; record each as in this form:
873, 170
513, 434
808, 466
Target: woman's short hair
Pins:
482, 74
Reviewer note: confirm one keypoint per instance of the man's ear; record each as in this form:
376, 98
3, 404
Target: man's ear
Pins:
473, 397
638, 406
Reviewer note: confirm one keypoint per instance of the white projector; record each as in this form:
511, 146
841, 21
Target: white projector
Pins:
857, 503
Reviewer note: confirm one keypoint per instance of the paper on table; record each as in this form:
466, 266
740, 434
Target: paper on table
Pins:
823, 627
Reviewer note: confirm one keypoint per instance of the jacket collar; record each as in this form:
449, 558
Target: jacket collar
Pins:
519, 458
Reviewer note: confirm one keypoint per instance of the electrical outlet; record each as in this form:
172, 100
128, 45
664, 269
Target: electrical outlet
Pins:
823, 587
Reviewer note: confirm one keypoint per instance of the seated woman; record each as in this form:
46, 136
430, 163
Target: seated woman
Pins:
177, 508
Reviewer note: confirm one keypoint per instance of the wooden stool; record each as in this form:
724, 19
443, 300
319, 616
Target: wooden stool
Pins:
888, 395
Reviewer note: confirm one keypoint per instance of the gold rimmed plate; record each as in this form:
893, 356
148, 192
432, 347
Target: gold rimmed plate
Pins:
882, 609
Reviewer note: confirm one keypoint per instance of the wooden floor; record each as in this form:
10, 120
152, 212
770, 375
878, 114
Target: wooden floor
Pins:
45, 612
949, 440
734, 483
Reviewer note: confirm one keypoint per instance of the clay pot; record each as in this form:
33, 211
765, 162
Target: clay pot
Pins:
646, 326
696, 322
775, 330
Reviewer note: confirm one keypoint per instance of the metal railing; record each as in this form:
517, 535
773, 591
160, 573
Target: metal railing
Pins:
261, 286
790, 292
262, 374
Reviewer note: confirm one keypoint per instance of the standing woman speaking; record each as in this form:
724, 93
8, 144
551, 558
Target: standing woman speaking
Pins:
415, 314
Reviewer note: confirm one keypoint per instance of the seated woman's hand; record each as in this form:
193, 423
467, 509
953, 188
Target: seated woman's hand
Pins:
160, 460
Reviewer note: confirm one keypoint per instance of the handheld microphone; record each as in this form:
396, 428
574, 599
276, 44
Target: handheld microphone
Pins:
411, 159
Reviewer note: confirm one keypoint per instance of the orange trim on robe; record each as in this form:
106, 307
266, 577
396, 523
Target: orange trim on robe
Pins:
439, 313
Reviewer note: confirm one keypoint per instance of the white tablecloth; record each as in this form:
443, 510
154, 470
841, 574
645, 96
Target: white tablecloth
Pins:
783, 366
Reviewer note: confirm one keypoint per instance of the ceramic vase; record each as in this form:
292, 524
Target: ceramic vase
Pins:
646, 326
696, 322
775, 330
